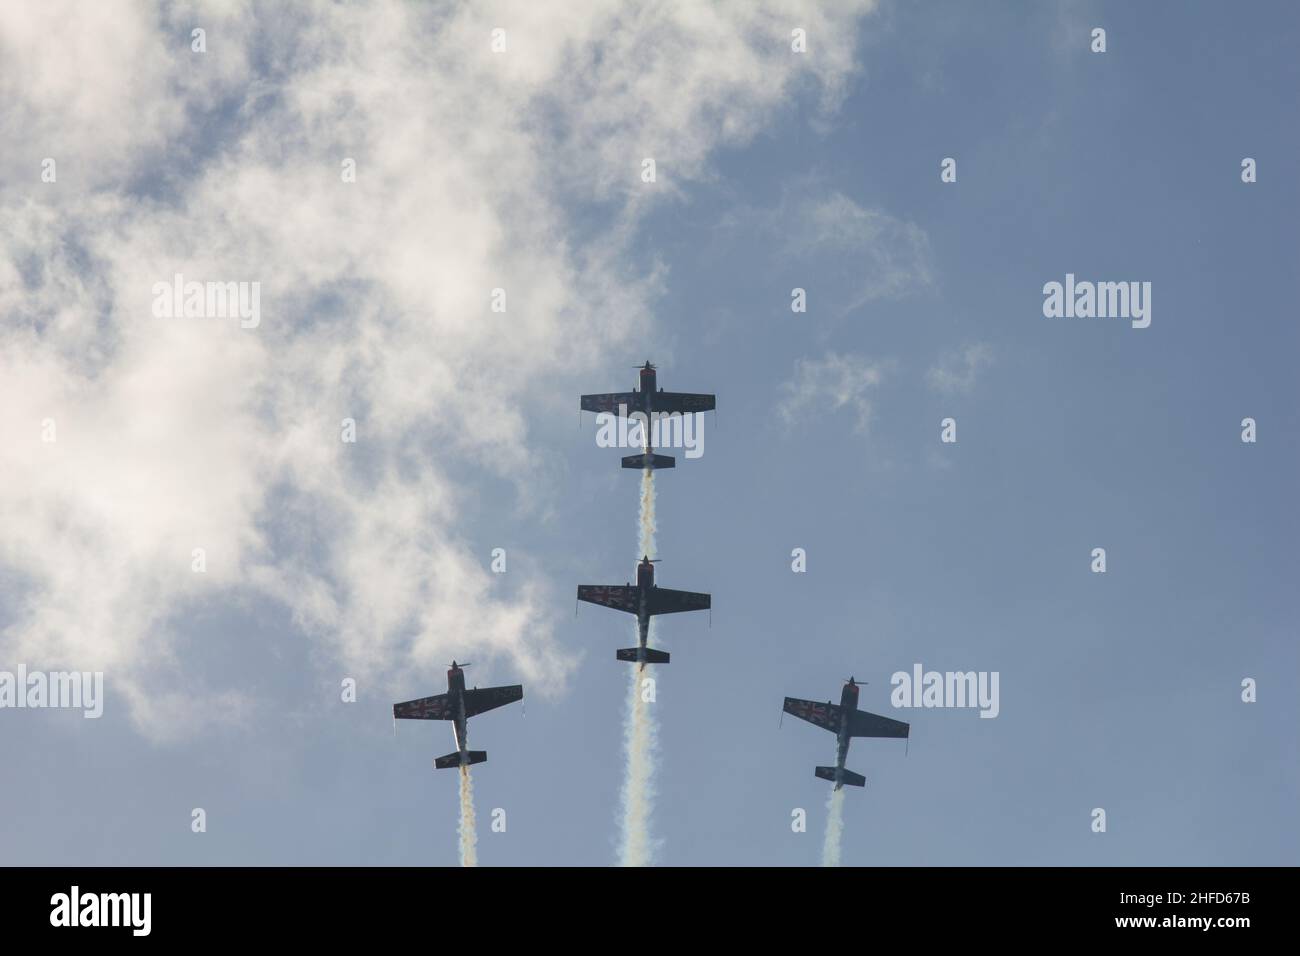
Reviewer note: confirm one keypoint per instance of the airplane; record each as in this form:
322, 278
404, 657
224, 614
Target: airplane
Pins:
644, 599
648, 401
845, 721
458, 705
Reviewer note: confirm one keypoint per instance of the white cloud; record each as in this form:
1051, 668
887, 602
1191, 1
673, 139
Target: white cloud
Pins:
957, 371
831, 384
893, 255
175, 434
855, 254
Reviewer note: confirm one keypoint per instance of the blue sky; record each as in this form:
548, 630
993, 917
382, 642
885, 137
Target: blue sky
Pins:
1118, 690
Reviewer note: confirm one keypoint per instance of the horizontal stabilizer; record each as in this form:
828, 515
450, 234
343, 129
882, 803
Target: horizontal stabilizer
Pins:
453, 759
845, 777
656, 461
636, 655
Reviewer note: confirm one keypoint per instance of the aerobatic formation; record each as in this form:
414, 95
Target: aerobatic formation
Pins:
645, 599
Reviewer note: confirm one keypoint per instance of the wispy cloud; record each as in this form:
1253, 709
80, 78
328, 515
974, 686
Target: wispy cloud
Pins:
957, 371
830, 385
893, 255
851, 254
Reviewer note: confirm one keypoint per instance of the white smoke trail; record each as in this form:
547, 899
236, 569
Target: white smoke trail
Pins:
639, 731
639, 735
468, 826
645, 542
834, 828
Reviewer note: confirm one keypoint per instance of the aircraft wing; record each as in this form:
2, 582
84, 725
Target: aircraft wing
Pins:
437, 707
824, 715
668, 601
684, 402
488, 698
862, 724
619, 597
610, 401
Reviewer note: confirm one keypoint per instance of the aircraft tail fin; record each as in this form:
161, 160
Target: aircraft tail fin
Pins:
635, 655
845, 776
656, 461
453, 759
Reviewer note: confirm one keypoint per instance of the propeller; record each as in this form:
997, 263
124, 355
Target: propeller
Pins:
461, 666
647, 364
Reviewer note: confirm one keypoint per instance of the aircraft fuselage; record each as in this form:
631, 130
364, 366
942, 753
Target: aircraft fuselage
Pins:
647, 395
459, 723
645, 582
647, 381
848, 704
